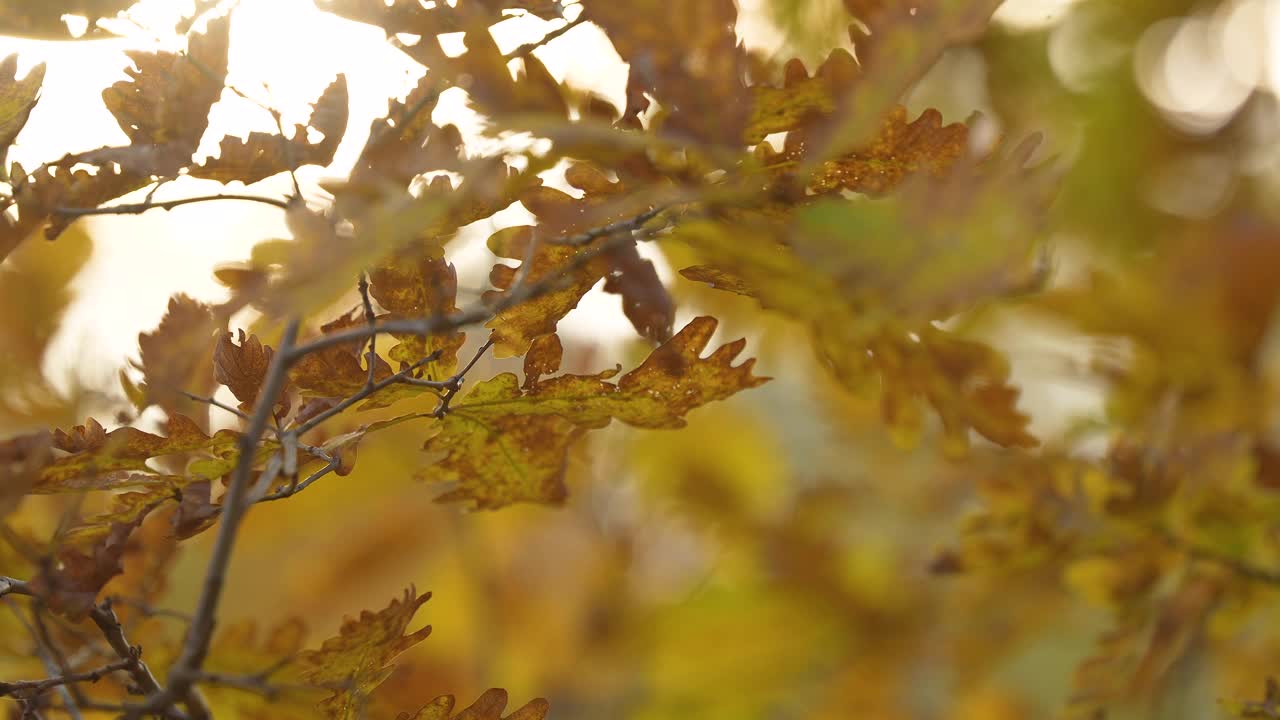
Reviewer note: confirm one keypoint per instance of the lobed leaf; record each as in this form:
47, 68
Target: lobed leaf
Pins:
358, 658
502, 444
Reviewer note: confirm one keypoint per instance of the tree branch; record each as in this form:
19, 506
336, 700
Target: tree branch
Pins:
529, 47
32, 688
108, 623
139, 208
14, 586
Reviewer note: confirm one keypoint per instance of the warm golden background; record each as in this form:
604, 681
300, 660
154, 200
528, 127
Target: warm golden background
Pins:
782, 557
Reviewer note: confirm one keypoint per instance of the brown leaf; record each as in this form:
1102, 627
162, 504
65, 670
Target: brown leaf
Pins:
358, 658
242, 368
165, 102
21, 460
645, 300
17, 99
90, 553
419, 284
262, 154
687, 56
559, 215
175, 356
488, 706
102, 460
501, 444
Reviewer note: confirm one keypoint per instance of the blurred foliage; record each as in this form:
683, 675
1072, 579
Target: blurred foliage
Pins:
1007, 446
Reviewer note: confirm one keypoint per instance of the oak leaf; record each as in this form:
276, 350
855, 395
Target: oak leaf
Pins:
488, 706
174, 357
17, 100
89, 553
100, 460
165, 102
561, 215
502, 444
262, 155
417, 285
357, 659
686, 55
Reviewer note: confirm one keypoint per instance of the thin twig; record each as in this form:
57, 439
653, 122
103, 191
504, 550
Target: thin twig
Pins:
628, 225
529, 47
14, 586
365, 392
215, 403
147, 610
105, 618
139, 208
196, 647
455, 382
32, 688
483, 311
51, 657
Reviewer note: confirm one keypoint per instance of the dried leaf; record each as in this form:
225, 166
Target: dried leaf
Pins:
488, 706
357, 660
687, 55
417, 285
262, 154
102, 460
175, 356
165, 102
501, 444
90, 553
17, 100
21, 460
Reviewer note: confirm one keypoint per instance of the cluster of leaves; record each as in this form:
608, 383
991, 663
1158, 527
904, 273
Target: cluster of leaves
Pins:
878, 232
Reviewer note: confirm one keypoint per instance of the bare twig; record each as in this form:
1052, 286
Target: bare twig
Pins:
483, 311
400, 377
196, 647
32, 688
139, 208
628, 225
455, 382
529, 47
147, 610
14, 586
105, 618
51, 657
209, 400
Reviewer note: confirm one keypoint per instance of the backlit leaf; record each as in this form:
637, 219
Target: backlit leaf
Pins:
502, 444
358, 658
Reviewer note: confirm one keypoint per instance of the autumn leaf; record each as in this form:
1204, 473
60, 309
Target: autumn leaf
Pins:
488, 706
405, 143
21, 460
263, 154
418, 285
905, 42
687, 55
164, 105
357, 659
17, 100
44, 20
100, 460
243, 367
89, 553
560, 215
175, 356
502, 444
801, 98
